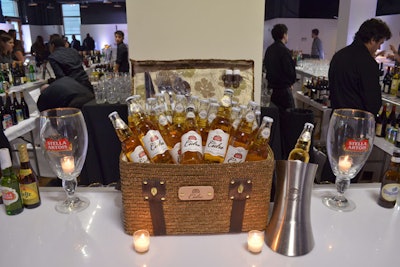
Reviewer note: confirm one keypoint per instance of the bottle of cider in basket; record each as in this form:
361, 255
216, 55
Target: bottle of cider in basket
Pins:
28, 182
191, 141
202, 119
9, 185
391, 182
300, 151
130, 143
148, 134
218, 136
259, 148
240, 140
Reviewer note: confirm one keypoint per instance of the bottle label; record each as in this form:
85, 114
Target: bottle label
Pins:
226, 101
203, 114
217, 142
29, 193
162, 120
10, 195
191, 142
306, 136
353, 145
265, 133
7, 121
154, 143
24, 172
211, 117
235, 155
176, 153
138, 155
378, 129
20, 115
390, 191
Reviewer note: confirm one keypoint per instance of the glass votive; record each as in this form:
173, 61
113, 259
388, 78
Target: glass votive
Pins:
255, 241
141, 241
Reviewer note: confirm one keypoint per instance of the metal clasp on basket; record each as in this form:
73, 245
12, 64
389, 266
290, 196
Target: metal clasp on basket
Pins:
154, 189
240, 189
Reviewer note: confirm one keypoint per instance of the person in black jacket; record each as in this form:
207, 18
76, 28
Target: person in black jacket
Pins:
280, 68
354, 73
67, 62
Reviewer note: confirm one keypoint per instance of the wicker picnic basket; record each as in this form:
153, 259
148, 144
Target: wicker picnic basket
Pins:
170, 199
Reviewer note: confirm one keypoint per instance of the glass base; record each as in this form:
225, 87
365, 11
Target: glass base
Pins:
338, 203
72, 205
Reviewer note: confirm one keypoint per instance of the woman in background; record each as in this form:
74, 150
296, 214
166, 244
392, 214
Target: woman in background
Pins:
6, 48
39, 50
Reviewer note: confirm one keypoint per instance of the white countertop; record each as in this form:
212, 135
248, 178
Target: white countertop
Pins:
368, 236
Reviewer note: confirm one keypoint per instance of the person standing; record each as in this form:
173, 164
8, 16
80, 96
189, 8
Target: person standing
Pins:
88, 43
67, 62
280, 69
18, 53
121, 62
75, 43
39, 50
317, 50
354, 73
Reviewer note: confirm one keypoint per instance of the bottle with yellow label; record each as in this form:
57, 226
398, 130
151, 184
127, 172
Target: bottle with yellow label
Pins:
302, 147
28, 182
220, 128
191, 141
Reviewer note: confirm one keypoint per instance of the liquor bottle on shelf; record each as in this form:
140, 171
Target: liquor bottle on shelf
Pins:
259, 148
387, 80
240, 140
32, 73
149, 136
28, 182
24, 106
130, 143
381, 122
10, 110
18, 108
395, 81
302, 147
9, 185
191, 141
218, 136
390, 182
391, 121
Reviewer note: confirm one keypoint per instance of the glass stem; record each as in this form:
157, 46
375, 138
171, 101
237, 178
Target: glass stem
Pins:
342, 184
69, 188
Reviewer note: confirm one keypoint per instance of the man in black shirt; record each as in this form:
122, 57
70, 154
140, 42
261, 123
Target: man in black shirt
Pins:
280, 68
354, 73
121, 63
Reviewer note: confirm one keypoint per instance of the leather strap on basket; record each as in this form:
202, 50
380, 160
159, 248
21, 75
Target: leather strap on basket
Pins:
154, 192
239, 191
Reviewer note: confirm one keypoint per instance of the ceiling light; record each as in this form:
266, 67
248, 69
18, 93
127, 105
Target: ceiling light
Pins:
107, 2
84, 5
31, 3
117, 5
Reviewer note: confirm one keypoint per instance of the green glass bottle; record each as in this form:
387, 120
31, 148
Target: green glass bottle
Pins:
9, 185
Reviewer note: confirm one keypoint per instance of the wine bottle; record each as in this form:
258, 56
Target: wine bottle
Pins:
28, 181
24, 106
18, 109
381, 122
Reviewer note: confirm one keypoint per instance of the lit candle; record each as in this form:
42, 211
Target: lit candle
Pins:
67, 164
345, 163
255, 241
141, 241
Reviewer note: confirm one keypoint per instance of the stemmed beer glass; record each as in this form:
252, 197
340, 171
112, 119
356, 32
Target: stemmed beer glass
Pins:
64, 140
350, 140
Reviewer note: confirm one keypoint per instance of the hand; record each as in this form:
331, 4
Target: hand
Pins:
393, 49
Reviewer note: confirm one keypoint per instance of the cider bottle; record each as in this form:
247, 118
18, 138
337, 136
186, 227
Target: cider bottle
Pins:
130, 143
218, 136
391, 182
191, 141
202, 120
300, 151
149, 136
150, 112
212, 113
240, 141
28, 182
259, 149
9, 185
235, 117
162, 99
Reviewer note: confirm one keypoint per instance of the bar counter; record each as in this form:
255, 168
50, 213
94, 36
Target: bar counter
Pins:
368, 236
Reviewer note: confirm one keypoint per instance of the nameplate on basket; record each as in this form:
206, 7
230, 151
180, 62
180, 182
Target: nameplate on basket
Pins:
192, 193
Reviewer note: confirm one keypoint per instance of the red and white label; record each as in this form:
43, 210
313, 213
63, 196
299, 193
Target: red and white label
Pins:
62, 144
353, 145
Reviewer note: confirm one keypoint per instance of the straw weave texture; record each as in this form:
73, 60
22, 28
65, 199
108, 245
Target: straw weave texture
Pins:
196, 217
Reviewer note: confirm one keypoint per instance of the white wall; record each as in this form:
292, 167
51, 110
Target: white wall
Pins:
104, 33
208, 29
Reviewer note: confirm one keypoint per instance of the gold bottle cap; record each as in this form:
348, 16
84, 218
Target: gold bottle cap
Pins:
23, 153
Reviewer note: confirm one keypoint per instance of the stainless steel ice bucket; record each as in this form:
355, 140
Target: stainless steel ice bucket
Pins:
289, 230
